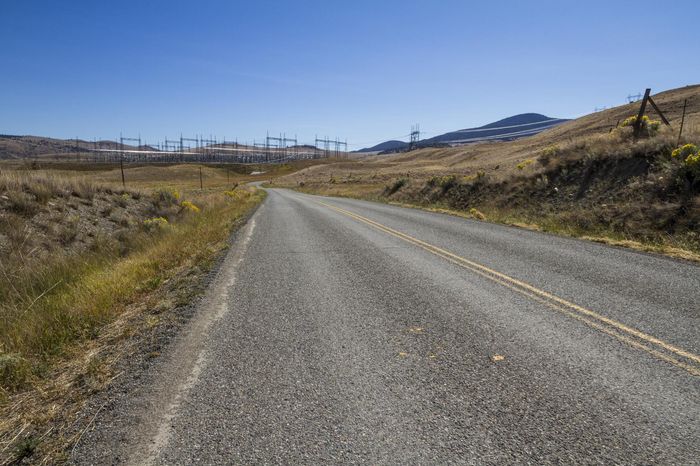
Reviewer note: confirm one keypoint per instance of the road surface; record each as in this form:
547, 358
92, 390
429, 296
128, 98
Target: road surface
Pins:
342, 331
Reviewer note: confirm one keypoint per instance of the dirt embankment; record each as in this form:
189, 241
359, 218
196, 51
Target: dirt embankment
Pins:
629, 191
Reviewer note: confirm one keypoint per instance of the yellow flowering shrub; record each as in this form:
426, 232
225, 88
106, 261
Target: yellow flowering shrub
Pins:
683, 152
693, 161
476, 214
188, 206
649, 125
156, 223
524, 163
550, 151
689, 156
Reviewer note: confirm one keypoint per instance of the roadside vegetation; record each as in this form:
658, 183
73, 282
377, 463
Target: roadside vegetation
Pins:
603, 186
84, 267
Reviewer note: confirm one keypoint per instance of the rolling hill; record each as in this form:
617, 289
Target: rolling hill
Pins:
17, 147
507, 129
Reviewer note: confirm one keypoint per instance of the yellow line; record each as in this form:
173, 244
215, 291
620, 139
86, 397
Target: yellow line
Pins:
580, 313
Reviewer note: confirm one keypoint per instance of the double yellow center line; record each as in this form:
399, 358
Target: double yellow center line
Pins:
631, 336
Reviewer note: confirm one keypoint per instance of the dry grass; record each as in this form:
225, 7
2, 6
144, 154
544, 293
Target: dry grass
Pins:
499, 160
585, 179
151, 176
58, 313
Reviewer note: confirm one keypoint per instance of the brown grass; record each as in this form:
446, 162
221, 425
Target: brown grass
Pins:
585, 179
65, 319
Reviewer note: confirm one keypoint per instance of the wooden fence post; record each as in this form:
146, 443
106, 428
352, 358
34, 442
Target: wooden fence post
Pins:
638, 122
680, 132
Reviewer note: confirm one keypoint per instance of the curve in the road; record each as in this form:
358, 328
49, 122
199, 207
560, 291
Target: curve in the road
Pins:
631, 336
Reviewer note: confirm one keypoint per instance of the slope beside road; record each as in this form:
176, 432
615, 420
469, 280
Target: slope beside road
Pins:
345, 331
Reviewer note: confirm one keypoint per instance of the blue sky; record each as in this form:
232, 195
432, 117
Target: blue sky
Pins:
361, 70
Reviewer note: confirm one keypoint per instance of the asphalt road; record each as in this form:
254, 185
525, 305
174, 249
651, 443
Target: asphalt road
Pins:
342, 331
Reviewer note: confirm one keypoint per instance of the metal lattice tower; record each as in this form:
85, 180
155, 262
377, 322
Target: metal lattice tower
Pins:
415, 136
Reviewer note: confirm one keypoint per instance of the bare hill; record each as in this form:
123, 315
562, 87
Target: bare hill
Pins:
17, 147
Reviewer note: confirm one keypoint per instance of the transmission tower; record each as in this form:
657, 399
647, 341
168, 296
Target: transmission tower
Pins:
415, 136
121, 143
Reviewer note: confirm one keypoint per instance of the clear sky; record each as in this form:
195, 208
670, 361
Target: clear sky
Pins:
362, 70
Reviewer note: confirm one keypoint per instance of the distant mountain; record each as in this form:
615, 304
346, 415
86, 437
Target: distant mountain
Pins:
515, 127
388, 145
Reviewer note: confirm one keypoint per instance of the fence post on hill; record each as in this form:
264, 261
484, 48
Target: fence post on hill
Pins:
121, 167
680, 131
661, 114
638, 122
201, 185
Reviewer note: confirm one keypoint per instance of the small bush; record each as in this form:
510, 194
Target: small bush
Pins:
397, 185
689, 156
188, 206
14, 370
154, 224
26, 448
524, 163
14, 227
123, 200
476, 214
22, 203
167, 197
232, 194
42, 192
649, 126
445, 183
547, 154
683, 152
68, 231
692, 164
84, 189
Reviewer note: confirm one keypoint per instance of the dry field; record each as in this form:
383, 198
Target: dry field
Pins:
149, 176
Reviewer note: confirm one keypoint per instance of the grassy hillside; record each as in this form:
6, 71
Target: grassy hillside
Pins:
86, 267
585, 178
